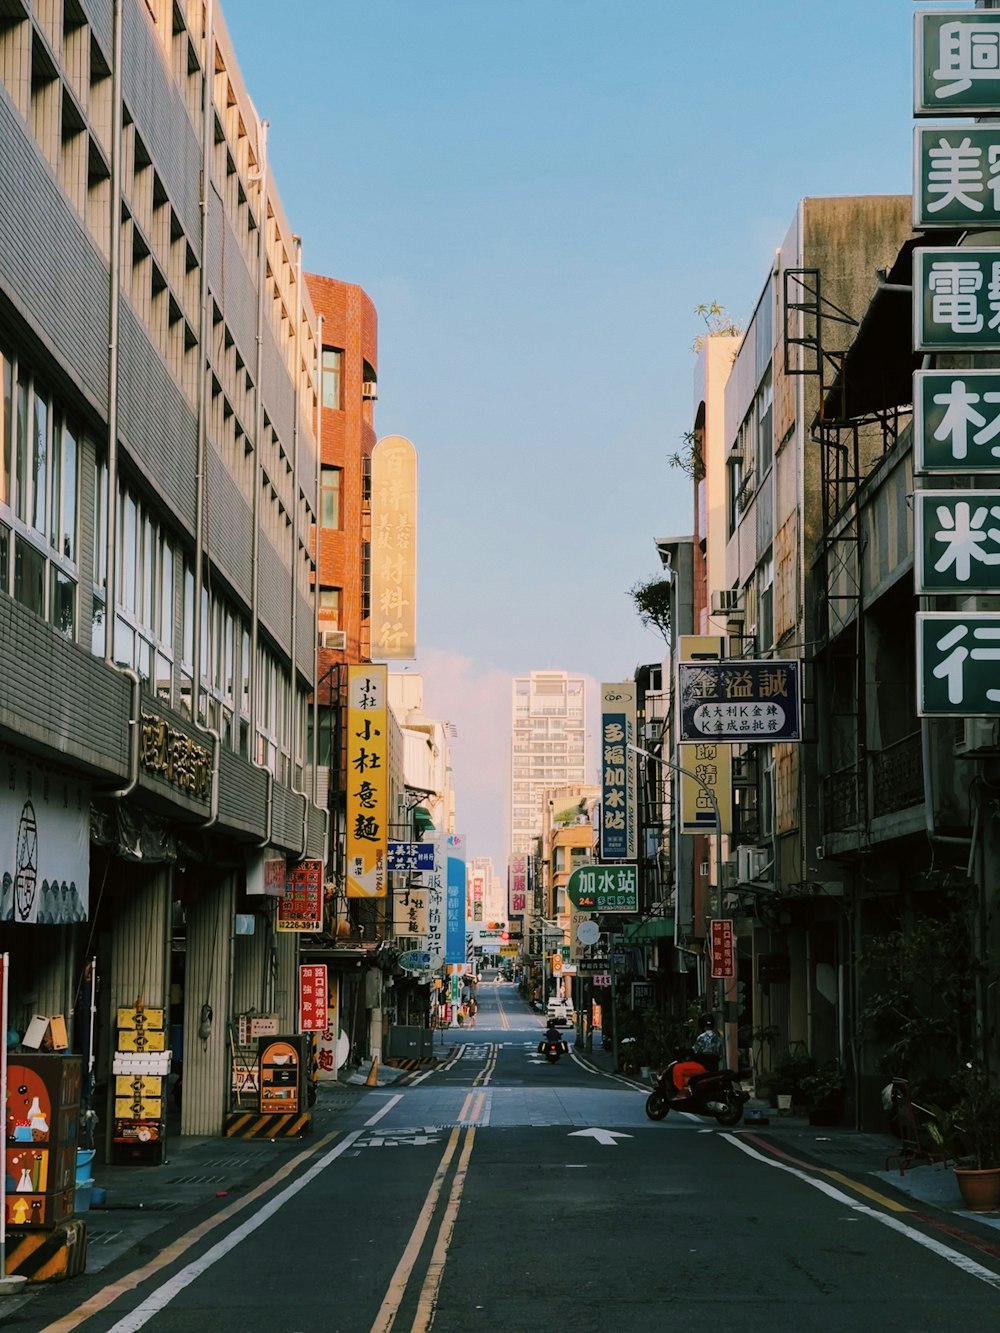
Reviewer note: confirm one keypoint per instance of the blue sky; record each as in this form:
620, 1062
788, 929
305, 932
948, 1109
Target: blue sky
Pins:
536, 194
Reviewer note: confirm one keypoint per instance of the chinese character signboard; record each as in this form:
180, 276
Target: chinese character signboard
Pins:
478, 889
723, 950
312, 998
956, 63
956, 421
958, 663
517, 885
957, 541
44, 843
712, 765
410, 857
367, 781
393, 547
434, 884
957, 177
604, 889
739, 701
618, 814
301, 908
956, 300
454, 937
411, 912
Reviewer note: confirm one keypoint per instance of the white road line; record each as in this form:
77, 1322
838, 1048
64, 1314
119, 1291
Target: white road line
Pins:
887, 1220
162, 1296
387, 1107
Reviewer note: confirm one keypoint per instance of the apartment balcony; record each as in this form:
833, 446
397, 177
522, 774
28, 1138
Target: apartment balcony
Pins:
840, 800
898, 776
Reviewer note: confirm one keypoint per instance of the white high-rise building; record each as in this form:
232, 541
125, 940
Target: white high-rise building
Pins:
548, 746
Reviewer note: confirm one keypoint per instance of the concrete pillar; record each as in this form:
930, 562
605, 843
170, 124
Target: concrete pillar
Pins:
140, 939
253, 976
207, 989
286, 981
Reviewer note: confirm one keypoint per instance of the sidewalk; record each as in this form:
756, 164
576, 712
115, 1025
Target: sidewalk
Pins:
852, 1152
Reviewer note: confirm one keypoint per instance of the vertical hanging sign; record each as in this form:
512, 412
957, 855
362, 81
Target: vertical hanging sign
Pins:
618, 836
454, 939
366, 834
394, 549
312, 998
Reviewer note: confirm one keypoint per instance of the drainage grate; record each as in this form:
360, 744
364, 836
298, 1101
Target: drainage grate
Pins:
228, 1163
198, 1180
102, 1237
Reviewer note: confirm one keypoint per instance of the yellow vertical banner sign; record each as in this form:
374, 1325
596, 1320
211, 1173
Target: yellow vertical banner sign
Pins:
367, 781
394, 549
712, 765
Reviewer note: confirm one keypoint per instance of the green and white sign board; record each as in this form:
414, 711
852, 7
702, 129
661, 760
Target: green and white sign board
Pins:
956, 299
956, 542
956, 57
958, 663
956, 176
956, 421
604, 889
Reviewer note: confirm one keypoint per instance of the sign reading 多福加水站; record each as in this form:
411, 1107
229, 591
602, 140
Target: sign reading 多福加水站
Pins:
618, 795
956, 542
958, 663
743, 701
956, 421
956, 63
956, 299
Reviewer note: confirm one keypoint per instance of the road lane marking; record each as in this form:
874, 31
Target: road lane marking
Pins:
103, 1298
489, 1068
945, 1252
866, 1190
605, 1137
427, 1301
397, 1283
387, 1107
504, 1020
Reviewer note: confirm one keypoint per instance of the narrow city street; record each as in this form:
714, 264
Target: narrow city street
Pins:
498, 1190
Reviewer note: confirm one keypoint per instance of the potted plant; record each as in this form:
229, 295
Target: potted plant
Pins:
785, 1079
824, 1094
969, 1134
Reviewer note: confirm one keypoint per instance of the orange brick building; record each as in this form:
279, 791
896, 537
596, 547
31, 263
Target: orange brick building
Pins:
349, 378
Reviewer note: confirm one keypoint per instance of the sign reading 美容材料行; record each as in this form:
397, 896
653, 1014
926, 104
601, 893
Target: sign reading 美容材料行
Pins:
956, 176
956, 62
958, 663
956, 541
956, 299
739, 701
956, 421
604, 889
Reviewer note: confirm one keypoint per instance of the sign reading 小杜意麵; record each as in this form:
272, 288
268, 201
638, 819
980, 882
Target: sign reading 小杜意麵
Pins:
956, 63
958, 663
956, 421
956, 541
956, 299
367, 796
739, 700
604, 888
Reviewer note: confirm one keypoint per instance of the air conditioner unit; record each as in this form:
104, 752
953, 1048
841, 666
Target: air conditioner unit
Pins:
369, 390
980, 735
727, 876
751, 862
333, 638
727, 602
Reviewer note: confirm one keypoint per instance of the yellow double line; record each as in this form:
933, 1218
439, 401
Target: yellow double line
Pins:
473, 1109
427, 1300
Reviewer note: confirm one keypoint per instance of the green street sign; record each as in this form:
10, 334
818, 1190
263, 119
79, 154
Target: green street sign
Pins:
956, 541
958, 664
956, 299
956, 421
604, 889
956, 176
956, 63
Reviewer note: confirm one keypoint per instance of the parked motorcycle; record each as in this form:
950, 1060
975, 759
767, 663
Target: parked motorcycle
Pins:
718, 1095
552, 1050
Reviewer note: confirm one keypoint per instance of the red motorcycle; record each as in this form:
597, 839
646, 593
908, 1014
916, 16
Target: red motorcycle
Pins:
712, 1094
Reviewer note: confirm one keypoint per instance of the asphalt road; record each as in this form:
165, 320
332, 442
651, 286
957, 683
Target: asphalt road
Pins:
478, 1196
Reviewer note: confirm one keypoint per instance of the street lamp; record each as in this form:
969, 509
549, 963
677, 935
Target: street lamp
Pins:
716, 900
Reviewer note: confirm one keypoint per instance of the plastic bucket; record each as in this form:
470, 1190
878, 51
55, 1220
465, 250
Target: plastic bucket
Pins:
83, 1196
98, 1196
84, 1157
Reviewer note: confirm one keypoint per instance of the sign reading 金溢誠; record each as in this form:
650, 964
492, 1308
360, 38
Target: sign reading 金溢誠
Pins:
739, 701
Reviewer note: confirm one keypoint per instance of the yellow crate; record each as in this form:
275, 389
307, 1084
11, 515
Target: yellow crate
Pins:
150, 1085
141, 1041
140, 1018
147, 1109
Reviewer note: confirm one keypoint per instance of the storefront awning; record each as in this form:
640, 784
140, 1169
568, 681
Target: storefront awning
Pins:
657, 928
422, 821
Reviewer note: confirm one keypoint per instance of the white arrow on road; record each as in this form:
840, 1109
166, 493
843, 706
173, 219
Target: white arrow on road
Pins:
606, 1137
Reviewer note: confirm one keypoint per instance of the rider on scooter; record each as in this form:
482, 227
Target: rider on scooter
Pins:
707, 1052
552, 1035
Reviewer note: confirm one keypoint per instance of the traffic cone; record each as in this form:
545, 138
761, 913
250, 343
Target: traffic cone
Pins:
372, 1080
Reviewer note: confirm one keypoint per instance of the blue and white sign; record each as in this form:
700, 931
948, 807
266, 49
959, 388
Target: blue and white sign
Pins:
454, 926
415, 960
410, 857
739, 700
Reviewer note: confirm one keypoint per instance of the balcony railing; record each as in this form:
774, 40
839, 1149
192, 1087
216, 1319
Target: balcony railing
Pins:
898, 776
840, 800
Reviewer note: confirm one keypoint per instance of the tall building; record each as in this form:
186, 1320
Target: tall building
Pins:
548, 747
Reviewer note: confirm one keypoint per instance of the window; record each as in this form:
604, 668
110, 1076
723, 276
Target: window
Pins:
734, 485
329, 608
765, 606
143, 623
765, 430
329, 497
332, 375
